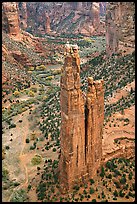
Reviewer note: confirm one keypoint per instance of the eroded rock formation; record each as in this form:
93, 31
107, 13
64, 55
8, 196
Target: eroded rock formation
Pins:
47, 24
82, 123
23, 14
120, 23
10, 21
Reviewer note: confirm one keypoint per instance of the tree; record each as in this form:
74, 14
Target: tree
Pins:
115, 193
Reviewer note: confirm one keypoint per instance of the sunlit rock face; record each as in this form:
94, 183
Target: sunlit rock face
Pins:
10, 21
120, 23
81, 123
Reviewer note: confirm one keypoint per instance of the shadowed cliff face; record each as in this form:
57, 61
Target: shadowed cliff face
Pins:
119, 26
23, 14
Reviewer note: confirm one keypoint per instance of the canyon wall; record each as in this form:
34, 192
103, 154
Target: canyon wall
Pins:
23, 14
63, 17
10, 18
120, 27
81, 124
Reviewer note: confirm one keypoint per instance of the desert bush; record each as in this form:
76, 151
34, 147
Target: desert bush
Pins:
115, 193
54, 149
29, 187
7, 147
91, 191
41, 67
130, 176
5, 174
31, 69
91, 181
50, 77
33, 136
19, 196
37, 159
27, 140
33, 89
16, 93
32, 147
102, 174
123, 180
3, 153
93, 200
31, 93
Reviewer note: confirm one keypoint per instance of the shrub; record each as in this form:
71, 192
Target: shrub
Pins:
33, 136
37, 159
16, 183
29, 187
121, 193
109, 176
19, 196
5, 174
31, 94
123, 180
91, 191
7, 147
102, 174
40, 67
12, 125
130, 176
92, 181
33, 89
115, 193
54, 149
93, 200
27, 140
3, 153
16, 93
32, 147
31, 69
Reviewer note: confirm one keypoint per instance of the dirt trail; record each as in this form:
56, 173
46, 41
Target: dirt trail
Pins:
22, 155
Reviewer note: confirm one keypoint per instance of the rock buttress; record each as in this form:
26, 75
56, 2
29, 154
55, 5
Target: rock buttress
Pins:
94, 125
10, 18
72, 161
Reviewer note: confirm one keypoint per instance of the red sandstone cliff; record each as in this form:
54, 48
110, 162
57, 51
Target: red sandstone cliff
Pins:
10, 20
81, 124
64, 17
120, 23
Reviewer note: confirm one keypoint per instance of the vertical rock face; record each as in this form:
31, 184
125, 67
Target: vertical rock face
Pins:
82, 124
119, 26
10, 18
47, 23
94, 124
95, 14
72, 160
23, 14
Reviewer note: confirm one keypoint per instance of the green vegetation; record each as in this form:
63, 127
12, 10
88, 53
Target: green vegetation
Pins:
37, 159
20, 196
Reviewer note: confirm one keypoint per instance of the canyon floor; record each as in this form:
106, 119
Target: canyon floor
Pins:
31, 146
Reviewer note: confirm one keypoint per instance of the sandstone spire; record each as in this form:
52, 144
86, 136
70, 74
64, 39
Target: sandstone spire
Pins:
72, 160
47, 24
81, 123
